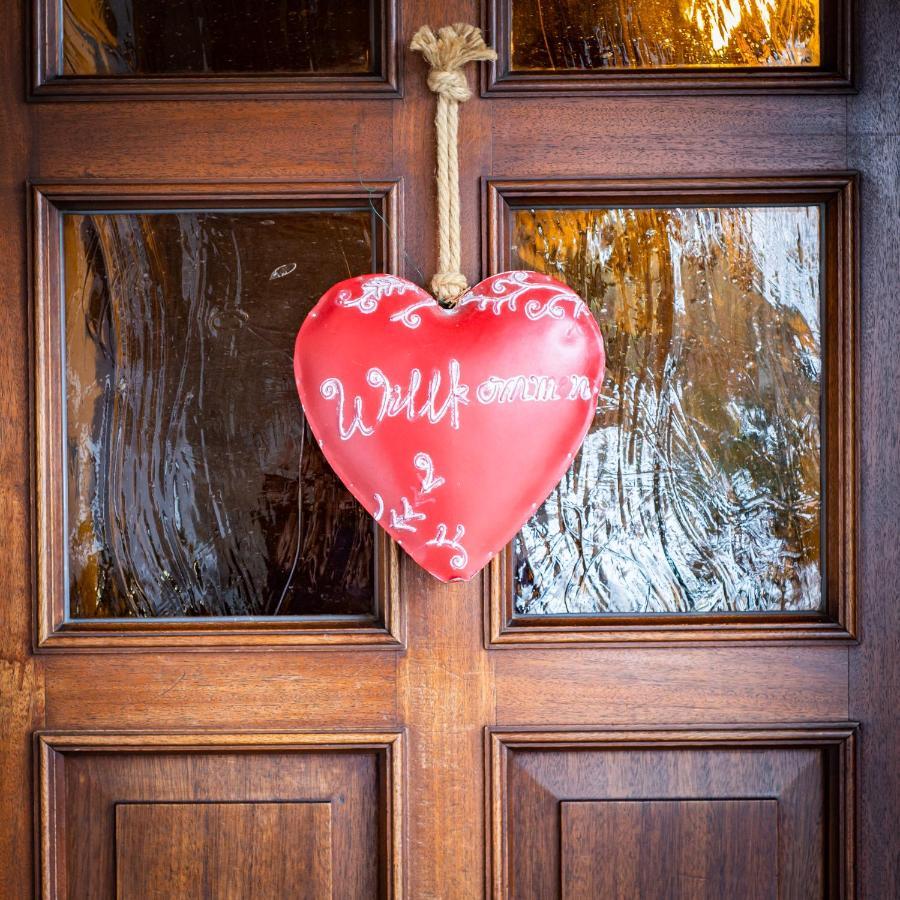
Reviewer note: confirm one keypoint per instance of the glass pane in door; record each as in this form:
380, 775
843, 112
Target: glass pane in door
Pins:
194, 487
553, 35
218, 37
697, 489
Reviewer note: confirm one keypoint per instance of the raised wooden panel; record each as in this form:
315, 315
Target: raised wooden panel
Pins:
138, 812
658, 849
670, 813
132, 47
585, 567
234, 539
221, 850
566, 46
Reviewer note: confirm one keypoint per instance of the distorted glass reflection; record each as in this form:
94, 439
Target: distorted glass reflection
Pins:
182, 37
698, 486
194, 487
629, 34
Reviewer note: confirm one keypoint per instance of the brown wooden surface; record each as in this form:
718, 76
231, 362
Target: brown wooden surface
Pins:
445, 687
655, 849
807, 772
221, 850
86, 780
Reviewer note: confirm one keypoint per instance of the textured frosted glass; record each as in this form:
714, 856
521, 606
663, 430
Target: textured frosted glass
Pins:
698, 488
193, 485
652, 34
182, 37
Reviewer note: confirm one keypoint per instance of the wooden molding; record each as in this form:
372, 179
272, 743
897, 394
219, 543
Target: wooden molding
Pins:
51, 748
53, 627
834, 75
837, 193
836, 740
46, 81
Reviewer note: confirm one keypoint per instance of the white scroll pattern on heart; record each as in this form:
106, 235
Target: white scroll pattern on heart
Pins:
505, 295
405, 519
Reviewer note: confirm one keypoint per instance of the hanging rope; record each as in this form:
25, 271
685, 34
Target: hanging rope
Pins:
447, 52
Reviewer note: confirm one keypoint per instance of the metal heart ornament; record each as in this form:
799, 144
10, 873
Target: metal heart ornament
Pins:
450, 426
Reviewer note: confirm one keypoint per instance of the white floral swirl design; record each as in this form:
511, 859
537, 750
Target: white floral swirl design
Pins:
506, 291
373, 291
409, 316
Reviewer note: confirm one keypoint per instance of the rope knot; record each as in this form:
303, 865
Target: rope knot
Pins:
449, 83
447, 286
446, 53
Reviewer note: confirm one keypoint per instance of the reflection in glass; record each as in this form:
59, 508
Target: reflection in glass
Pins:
697, 488
194, 487
651, 34
182, 37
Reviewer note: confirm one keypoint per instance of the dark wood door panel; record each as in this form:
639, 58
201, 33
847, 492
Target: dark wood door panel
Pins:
674, 813
166, 140
445, 685
669, 685
224, 690
658, 849
137, 815
221, 850
661, 137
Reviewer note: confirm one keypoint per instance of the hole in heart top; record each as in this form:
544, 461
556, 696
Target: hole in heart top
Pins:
450, 425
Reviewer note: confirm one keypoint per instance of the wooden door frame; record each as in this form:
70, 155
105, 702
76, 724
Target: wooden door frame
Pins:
444, 687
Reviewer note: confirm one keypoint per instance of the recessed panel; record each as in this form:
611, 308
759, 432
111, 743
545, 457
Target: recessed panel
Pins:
111, 38
199, 850
703, 814
220, 815
659, 849
573, 35
193, 485
698, 488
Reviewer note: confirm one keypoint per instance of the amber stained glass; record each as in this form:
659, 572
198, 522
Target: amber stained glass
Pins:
194, 487
698, 486
185, 37
550, 35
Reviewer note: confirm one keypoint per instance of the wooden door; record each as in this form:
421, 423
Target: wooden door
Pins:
219, 680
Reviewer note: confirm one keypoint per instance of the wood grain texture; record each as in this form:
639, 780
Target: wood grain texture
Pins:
875, 663
21, 678
655, 849
443, 688
875, 110
210, 140
220, 850
671, 685
210, 690
808, 771
83, 777
874, 149
662, 137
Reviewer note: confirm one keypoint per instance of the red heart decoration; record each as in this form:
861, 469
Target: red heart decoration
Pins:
450, 426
